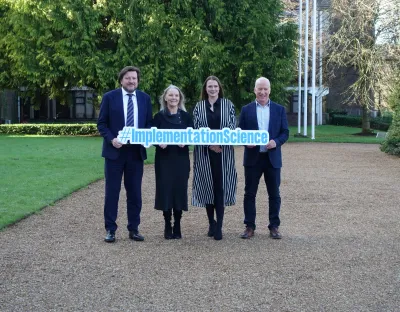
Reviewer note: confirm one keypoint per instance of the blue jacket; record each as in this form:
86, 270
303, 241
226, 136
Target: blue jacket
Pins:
278, 131
112, 119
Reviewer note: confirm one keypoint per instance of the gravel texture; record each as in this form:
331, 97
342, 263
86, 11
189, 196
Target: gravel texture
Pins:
340, 249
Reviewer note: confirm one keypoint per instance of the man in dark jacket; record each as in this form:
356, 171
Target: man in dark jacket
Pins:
130, 107
263, 114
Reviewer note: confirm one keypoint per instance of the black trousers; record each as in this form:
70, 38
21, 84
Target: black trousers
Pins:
128, 165
218, 190
272, 179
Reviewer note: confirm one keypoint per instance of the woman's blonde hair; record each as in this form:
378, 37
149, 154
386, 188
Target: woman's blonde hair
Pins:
163, 102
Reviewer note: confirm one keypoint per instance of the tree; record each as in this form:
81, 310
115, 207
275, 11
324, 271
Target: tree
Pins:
49, 45
248, 40
55, 45
363, 33
391, 145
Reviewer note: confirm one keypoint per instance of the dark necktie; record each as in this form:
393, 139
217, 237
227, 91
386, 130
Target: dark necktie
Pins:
130, 115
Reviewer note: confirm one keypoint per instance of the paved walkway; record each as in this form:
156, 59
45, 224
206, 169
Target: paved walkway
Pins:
340, 251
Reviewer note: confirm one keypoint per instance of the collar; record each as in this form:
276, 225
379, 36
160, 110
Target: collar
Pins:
216, 103
125, 93
168, 113
268, 103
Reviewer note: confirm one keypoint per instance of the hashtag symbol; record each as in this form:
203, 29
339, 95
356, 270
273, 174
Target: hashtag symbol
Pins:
124, 135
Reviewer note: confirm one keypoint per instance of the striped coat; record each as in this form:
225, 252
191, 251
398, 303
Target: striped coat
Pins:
202, 193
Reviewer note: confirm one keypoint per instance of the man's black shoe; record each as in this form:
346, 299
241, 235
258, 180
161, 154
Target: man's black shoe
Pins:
110, 237
275, 234
136, 236
248, 232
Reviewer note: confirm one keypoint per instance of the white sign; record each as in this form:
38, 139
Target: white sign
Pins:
190, 136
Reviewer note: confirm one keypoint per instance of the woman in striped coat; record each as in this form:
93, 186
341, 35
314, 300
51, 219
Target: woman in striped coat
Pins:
215, 178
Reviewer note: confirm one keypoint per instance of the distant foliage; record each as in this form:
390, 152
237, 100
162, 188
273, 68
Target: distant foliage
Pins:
391, 145
378, 123
50, 129
55, 45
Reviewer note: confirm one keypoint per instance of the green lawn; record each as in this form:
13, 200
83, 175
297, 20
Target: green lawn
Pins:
334, 134
36, 171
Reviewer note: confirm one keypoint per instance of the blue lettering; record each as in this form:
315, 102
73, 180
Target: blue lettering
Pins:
203, 136
196, 137
140, 136
177, 137
190, 132
219, 137
264, 138
212, 138
233, 137
159, 137
226, 135
167, 137
243, 138
250, 138
148, 138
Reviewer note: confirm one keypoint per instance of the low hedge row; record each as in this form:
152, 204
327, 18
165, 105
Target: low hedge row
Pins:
50, 129
379, 123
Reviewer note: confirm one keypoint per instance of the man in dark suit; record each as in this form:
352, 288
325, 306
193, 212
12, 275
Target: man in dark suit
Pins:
263, 114
125, 106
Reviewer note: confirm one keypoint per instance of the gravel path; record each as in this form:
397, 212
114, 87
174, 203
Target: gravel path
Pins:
340, 250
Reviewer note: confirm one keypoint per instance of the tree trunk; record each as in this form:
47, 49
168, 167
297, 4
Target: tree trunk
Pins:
365, 121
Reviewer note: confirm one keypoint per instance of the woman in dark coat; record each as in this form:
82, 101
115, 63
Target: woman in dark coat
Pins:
172, 164
214, 172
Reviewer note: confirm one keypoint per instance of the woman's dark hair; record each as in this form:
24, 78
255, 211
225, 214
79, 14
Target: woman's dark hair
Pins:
204, 95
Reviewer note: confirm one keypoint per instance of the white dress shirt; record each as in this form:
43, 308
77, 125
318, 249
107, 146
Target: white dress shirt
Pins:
263, 115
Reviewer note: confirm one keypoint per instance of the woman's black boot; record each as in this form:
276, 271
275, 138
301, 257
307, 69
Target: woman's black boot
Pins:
168, 227
211, 221
218, 226
176, 231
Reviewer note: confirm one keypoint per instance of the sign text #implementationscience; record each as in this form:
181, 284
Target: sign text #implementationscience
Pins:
190, 136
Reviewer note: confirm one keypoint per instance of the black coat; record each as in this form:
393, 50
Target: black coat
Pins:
172, 165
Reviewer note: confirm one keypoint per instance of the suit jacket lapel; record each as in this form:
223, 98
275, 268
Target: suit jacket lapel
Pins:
272, 116
139, 108
253, 115
118, 101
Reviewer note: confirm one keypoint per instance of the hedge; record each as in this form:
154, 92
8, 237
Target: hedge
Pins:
391, 145
379, 123
50, 129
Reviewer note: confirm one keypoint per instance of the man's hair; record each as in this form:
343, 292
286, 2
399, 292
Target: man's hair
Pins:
262, 79
128, 69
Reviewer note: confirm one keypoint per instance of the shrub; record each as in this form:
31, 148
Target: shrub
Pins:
332, 112
378, 123
346, 120
50, 129
391, 145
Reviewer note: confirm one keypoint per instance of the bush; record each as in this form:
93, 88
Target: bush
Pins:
50, 129
391, 145
332, 112
60, 121
378, 123
346, 120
